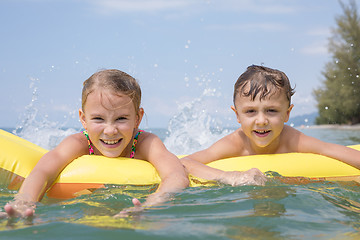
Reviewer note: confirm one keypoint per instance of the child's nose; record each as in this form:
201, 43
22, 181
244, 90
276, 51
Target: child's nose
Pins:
110, 130
261, 119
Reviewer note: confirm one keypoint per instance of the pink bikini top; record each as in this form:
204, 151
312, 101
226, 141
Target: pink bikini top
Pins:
133, 147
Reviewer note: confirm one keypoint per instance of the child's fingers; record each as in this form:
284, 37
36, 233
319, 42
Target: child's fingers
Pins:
132, 210
10, 210
3, 215
129, 211
122, 214
136, 202
26, 212
29, 213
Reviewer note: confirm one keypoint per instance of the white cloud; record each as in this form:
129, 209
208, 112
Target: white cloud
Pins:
249, 27
106, 6
316, 48
259, 6
303, 104
322, 32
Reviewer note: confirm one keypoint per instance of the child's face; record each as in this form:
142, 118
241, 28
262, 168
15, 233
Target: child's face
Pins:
263, 121
110, 121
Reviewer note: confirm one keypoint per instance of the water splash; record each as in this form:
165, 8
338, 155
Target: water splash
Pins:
193, 128
42, 132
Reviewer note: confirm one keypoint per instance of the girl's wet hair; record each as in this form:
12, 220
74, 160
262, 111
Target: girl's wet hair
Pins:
115, 80
262, 81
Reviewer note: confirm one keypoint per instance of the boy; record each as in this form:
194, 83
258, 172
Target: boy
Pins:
262, 104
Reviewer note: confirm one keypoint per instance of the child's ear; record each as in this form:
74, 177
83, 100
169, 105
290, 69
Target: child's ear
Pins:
139, 117
236, 113
82, 118
288, 112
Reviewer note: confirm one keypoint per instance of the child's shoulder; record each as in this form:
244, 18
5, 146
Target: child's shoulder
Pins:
238, 136
147, 138
71, 147
291, 139
78, 137
76, 140
290, 132
231, 144
147, 143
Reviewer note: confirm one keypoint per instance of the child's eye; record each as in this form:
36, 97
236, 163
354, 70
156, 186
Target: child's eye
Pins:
97, 119
121, 118
250, 111
271, 110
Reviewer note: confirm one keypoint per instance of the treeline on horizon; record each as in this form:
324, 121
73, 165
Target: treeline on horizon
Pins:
338, 99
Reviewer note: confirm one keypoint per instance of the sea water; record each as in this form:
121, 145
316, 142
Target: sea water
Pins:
321, 210
278, 210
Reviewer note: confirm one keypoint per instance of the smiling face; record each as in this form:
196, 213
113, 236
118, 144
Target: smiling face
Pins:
262, 121
110, 120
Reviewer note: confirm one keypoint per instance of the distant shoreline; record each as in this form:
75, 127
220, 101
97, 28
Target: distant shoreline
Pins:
332, 126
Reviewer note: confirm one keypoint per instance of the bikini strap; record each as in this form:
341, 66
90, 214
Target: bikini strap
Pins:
91, 147
133, 147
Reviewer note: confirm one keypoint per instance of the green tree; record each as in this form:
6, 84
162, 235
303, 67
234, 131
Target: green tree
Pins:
338, 99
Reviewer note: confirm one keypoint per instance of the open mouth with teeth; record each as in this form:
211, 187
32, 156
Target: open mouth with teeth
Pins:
111, 142
262, 133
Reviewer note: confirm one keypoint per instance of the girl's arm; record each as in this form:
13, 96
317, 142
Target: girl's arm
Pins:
44, 174
172, 173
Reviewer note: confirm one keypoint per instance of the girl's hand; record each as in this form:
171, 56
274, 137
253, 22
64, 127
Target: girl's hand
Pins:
250, 177
20, 208
152, 200
132, 210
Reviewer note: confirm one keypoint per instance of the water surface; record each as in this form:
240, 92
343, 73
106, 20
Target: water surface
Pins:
321, 210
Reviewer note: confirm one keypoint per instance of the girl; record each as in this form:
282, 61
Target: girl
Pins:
110, 115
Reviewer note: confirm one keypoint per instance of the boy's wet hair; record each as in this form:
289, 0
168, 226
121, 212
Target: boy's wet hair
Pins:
262, 81
116, 81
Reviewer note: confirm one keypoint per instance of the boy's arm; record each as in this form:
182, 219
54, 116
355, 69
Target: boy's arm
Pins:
224, 148
345, 154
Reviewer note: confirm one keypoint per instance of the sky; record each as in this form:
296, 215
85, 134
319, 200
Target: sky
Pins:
180, 51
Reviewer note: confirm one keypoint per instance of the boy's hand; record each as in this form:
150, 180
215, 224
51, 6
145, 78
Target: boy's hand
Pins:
250, 177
